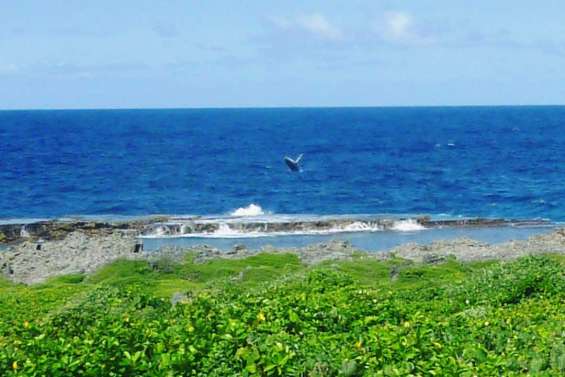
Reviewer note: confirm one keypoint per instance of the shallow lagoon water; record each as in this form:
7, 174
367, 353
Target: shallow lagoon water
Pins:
370, 241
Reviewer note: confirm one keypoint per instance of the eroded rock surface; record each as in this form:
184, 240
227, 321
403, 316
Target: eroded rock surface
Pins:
77, 253
82, 252
465, 249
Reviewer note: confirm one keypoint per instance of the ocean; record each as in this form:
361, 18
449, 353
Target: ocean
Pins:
502, 162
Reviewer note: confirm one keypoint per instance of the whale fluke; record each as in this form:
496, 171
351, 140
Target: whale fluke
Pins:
293, 165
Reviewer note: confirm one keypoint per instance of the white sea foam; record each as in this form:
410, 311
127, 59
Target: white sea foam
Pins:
358, 226
251, 210
160, 231
258, 224
23, 232
21, 221
228, 229
224, 230
409, 225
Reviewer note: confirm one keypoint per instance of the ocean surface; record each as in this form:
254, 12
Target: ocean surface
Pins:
471, 161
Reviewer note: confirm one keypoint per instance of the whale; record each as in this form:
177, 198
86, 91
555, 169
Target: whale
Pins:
293, 165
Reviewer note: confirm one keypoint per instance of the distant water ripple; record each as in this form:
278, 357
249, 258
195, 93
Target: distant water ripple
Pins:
484, 161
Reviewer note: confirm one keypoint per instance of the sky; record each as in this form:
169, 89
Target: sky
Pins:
257, 53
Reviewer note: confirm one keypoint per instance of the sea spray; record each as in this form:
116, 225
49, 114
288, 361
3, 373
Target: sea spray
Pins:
251, 210
24, 233
409, 225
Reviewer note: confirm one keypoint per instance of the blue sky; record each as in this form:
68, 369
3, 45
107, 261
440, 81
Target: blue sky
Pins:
181, 53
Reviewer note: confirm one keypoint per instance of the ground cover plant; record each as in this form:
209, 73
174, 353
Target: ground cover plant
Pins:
271, 315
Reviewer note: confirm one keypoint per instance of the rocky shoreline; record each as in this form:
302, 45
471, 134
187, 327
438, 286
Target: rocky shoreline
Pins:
88, 247
50, 230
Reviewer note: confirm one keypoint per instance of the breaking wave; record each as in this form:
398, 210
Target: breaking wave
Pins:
251, 210
273, 226
409, 225
231, 231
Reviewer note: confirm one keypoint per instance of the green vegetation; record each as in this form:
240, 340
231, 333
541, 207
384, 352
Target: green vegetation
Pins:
271, 315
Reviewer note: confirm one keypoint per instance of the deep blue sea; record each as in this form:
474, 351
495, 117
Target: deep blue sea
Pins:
469, 161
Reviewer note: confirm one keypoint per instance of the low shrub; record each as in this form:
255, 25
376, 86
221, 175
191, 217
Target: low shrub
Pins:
502, 319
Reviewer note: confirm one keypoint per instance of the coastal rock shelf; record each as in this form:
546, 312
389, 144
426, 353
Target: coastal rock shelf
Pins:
59, 229
163, 226
230, 227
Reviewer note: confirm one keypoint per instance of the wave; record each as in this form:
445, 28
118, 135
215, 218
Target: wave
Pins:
21, 221
251, 210
302, 225
257, 223
277, 226
226, 231
409, 225
23, 232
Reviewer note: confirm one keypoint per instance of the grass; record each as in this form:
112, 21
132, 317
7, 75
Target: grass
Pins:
5, 283
252, 272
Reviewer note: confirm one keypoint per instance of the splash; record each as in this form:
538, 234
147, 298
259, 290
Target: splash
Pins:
24, 233
224, 231
250, 210
358, 226
409, 225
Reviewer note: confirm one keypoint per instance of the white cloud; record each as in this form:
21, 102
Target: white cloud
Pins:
400, 27
319, 26
315, 24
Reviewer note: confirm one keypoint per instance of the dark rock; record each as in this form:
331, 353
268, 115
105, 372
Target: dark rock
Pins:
239, 248
6, 269
433, 258
138, 247
394, 273
57, 230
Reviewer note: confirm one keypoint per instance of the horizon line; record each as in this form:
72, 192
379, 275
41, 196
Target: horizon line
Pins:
276, 107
